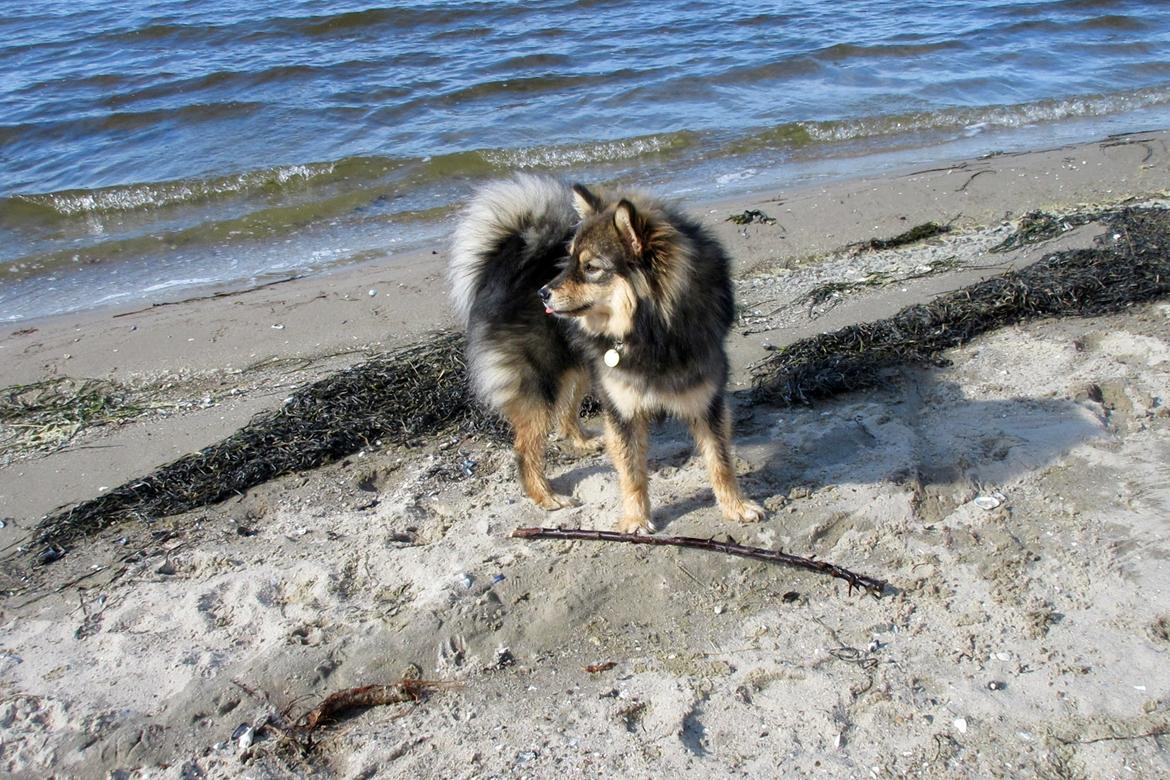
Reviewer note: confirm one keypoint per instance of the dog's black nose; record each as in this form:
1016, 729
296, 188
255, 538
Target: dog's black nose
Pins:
545, 293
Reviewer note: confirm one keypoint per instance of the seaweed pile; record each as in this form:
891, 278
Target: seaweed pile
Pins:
751, 215
1037, 226
829, 294
1130, 264
912, 236
44, 416
414, 392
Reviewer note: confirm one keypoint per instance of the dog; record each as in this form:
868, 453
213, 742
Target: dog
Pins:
563, 289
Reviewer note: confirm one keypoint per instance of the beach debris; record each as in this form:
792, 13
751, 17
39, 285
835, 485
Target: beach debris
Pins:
468, 466
220, 294
988, 503
829, 294
504, 658
960, 725
852, 655
47, 415
996, 685
861, 581
339, 703
1081, 282
1037, 226
244, 737
913, 235
749, 216
50, 554
603, 666
631, 715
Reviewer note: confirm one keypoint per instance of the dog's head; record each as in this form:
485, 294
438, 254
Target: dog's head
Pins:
622, 256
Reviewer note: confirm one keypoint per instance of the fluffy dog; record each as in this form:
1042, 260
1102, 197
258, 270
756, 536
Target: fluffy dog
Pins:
637, 302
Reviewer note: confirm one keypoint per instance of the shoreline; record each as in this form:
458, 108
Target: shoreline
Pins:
115, 279
1033, 632
813, 220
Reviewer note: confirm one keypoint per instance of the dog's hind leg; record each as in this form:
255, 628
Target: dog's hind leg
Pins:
530, 424
627, 442
571, 392
712, 434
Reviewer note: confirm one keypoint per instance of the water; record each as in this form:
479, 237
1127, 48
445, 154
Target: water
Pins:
146, 148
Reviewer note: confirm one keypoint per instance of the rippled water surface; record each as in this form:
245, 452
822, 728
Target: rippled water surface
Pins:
146, 147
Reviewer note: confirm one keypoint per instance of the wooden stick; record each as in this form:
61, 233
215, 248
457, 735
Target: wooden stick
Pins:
862, 581
366, 696
353, 698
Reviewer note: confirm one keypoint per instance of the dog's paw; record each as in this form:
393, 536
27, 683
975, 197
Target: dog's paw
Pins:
632, 524
555, 501
746, 511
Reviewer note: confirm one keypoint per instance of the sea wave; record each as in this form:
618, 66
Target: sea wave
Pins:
790, 135
275, 181
133, 197
351, 178
568, 155
342, 179
379, 21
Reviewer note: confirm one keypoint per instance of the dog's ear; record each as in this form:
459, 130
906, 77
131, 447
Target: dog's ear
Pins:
628, 225
585, 202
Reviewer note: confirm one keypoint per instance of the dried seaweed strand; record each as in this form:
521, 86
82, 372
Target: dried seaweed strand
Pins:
872, 584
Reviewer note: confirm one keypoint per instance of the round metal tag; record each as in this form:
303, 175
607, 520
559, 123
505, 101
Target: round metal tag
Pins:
612, 358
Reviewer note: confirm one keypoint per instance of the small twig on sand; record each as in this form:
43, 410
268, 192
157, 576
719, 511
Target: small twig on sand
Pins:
222, 294
1154, 733
365, 696
862, 581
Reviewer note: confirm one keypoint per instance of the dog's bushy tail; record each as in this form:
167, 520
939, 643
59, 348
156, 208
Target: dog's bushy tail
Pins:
511, 220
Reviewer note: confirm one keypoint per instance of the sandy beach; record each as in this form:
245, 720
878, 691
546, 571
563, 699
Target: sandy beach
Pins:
1015, 500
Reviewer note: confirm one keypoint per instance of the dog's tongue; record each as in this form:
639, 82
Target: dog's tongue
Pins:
548, 310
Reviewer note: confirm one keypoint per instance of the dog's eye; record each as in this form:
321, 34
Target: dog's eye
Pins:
595, 268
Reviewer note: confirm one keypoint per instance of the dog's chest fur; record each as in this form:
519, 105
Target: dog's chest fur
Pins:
633, 394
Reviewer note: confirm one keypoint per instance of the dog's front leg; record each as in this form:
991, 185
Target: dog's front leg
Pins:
627, 442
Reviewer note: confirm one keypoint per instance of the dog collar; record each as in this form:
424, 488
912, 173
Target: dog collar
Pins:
613, 355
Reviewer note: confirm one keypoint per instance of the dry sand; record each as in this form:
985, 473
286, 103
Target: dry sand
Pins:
1026, 635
